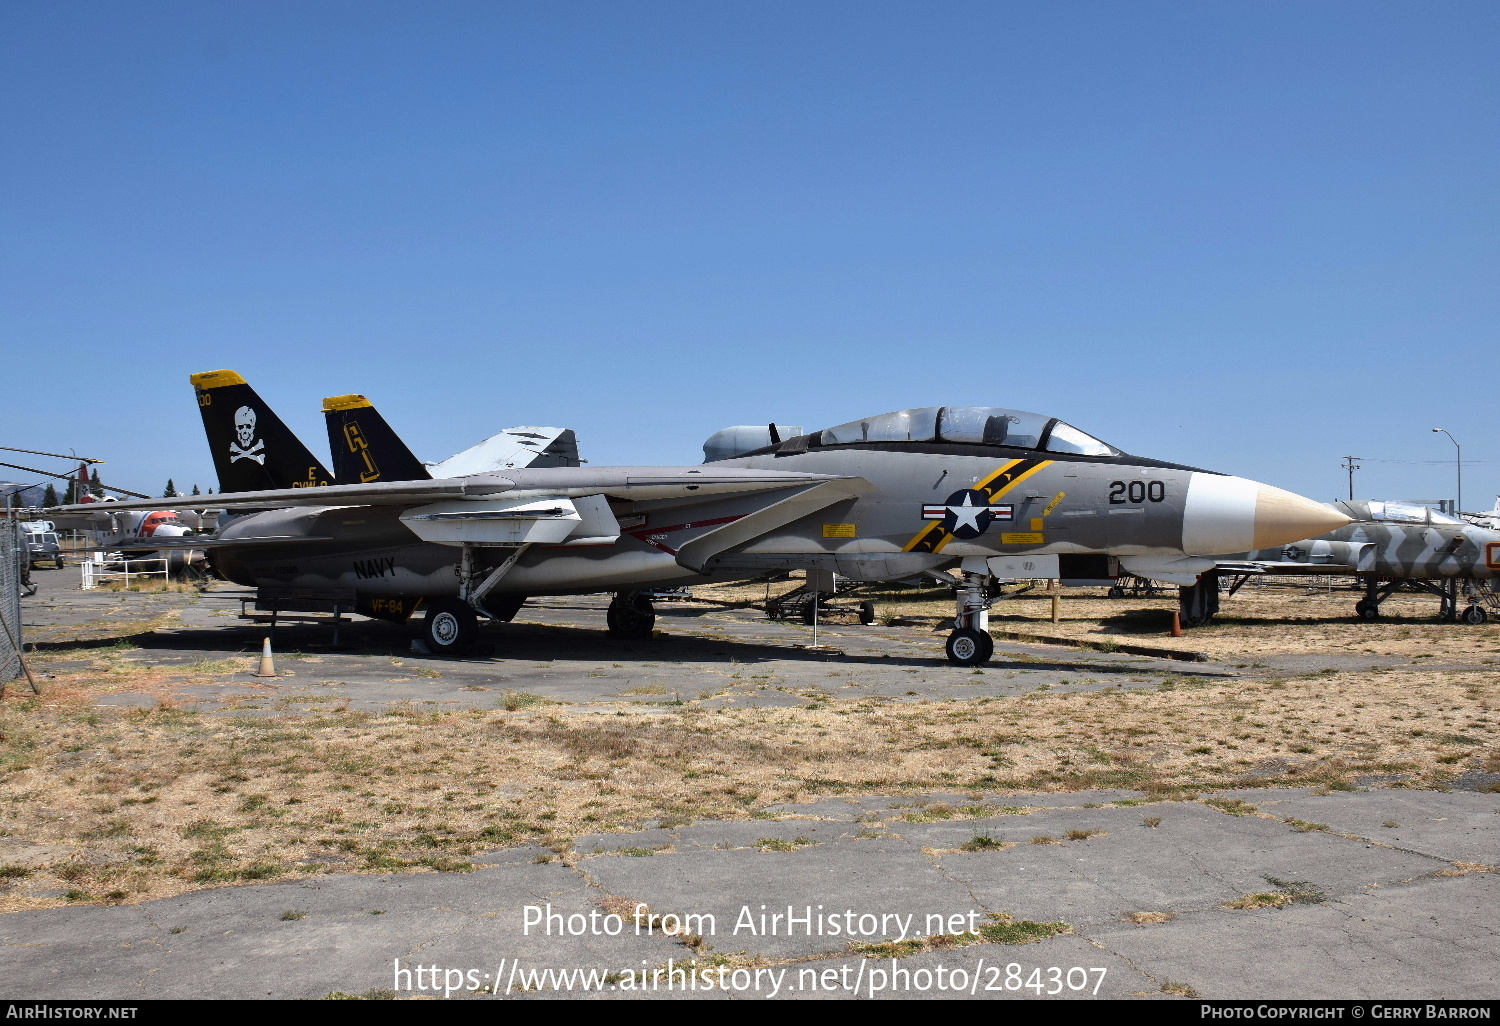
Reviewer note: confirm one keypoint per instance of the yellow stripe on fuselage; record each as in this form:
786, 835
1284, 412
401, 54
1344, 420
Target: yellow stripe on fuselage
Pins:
932, 538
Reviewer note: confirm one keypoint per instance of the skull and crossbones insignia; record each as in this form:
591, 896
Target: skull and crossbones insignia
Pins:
244, 429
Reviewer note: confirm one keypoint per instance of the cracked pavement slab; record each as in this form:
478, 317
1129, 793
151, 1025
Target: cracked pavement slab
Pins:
1370, 920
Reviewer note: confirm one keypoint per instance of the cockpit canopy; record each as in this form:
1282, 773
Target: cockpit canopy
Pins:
1397, 511
972, 425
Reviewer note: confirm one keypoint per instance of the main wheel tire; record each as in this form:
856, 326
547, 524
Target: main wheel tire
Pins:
1366, 610
1116, 592
449, 627
969, 647
630, 615
807, 613
867, 613
1474, 616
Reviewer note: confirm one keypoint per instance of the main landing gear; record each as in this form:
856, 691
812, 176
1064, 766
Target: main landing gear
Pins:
631, 616
970, 643
449, 627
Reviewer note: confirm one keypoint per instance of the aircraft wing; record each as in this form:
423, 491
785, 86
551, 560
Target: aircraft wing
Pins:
692, 513
379, 493
635, 483
1239, 567
1312, 556
1283, 567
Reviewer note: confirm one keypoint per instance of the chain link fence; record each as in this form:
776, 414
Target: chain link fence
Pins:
14, 561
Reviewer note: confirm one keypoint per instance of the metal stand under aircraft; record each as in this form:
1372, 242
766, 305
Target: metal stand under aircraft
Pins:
1377, 590
631, 615
806, 603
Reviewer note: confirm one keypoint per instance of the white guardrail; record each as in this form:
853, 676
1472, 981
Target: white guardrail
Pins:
101, 567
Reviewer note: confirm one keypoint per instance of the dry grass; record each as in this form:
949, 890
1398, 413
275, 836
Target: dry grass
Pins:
138, 804
101, 804
150, 585
107, 630
1265, 899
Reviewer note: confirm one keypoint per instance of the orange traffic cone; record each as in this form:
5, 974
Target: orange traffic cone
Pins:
267, 667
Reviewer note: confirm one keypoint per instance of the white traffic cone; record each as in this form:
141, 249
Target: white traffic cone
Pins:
267, 667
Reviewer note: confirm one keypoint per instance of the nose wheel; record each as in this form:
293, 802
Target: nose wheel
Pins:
970, 643
969, 647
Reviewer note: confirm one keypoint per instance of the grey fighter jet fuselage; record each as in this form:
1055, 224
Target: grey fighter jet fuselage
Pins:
929, 489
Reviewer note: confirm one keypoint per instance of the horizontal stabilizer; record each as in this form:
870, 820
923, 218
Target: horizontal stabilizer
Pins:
511, 449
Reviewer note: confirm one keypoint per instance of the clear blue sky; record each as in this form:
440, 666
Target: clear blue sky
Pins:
1254, 237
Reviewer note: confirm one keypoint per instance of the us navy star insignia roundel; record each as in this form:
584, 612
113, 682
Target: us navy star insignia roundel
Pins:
967, 513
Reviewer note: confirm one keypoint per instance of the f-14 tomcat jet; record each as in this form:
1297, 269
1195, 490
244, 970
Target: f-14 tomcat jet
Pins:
954, 488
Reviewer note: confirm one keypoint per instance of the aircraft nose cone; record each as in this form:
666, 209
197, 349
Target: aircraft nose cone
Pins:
1282, 516
1227, 515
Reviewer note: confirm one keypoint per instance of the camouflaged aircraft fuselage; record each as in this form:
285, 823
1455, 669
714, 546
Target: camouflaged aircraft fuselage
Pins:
1393, 540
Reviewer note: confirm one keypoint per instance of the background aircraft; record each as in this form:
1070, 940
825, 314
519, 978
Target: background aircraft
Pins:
1390, 545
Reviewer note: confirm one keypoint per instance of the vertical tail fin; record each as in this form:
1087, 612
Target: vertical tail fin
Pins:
364, 446
253, 450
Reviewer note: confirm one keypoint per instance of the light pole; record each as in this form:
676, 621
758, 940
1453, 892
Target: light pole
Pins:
1460, 449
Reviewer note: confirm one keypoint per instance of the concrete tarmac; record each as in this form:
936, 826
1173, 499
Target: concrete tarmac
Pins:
1376, 913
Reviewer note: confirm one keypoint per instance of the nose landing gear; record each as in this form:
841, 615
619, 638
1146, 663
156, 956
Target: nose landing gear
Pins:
969, 647
970, 643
